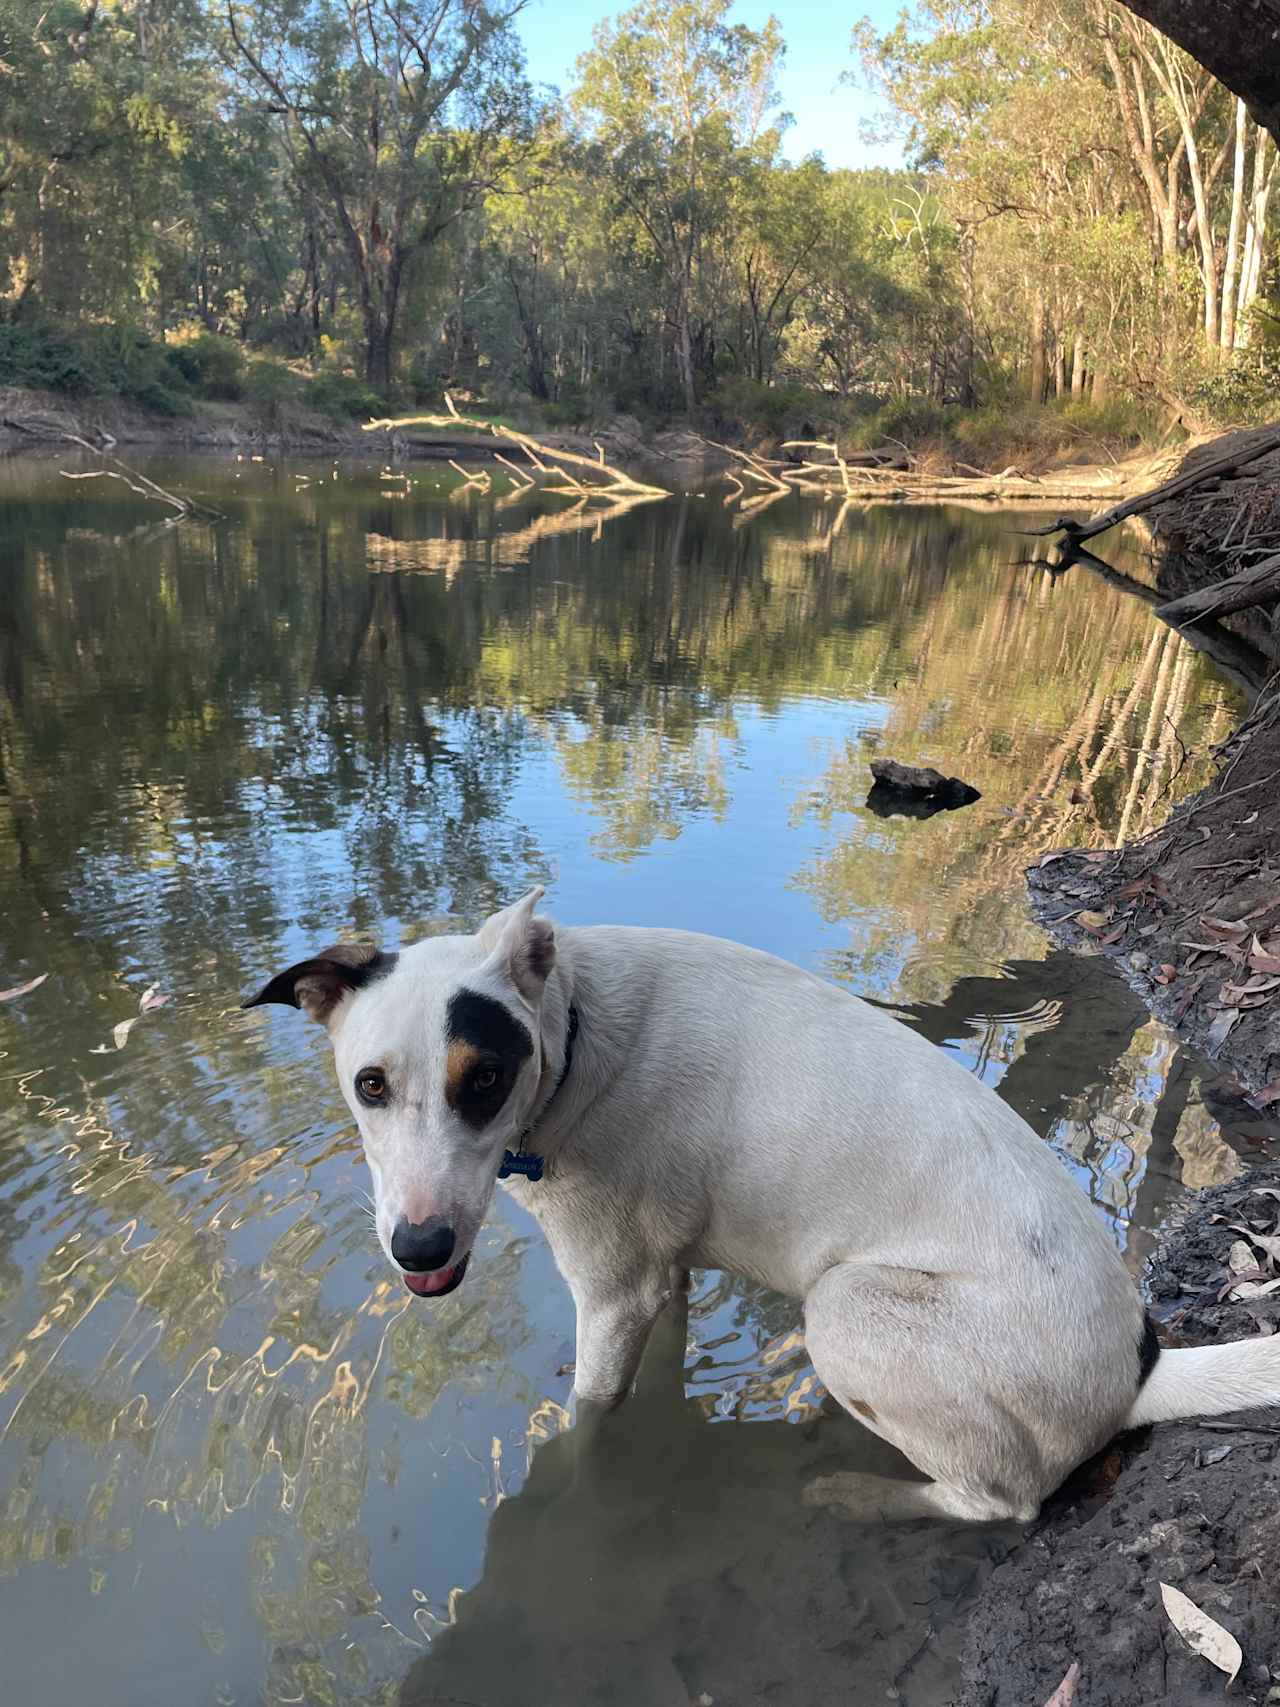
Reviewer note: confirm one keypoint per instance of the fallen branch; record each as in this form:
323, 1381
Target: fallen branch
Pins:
615, 485
1212, 470
1258, 585
136, 482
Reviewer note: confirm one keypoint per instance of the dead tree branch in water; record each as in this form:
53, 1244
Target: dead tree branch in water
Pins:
1213, 469
130, 477
1258, 585
606, 482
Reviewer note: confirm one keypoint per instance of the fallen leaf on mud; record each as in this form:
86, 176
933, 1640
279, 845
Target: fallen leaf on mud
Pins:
1249, 819
1065, 1693
1240, 1259
151, 999
22, 989
1202, 1634
1267, 1242
1237, 995
1266, 1096
1094, 922
1263, 958
1225, 930
1221, 1027
1166, 974
1254, 1289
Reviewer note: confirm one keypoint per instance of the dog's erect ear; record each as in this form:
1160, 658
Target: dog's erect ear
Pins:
523, 947
319, 984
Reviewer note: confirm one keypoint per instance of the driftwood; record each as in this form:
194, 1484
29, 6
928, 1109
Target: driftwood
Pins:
1211, 470
1259, 585
136, 482
605, 481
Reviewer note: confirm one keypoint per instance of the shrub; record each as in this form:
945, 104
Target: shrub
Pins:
344, 394
212, 365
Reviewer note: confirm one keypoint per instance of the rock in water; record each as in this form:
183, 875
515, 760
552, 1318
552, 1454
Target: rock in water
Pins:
919, 783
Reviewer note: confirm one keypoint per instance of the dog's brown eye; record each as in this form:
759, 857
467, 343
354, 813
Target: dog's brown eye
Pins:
371, 1086
486, 1079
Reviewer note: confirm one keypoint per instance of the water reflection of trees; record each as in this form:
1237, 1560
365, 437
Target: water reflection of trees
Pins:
220, 743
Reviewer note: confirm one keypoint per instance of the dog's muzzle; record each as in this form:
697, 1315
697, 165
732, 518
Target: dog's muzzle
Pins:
422, 1249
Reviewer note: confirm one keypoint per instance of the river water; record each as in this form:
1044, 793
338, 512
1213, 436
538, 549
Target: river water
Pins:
238, 1463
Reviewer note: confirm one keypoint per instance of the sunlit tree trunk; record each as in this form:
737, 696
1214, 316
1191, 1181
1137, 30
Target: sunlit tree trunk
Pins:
1231, 268
1038, 372
1077, 369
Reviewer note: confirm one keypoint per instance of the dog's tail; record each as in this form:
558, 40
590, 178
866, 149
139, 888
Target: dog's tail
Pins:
1205, 1381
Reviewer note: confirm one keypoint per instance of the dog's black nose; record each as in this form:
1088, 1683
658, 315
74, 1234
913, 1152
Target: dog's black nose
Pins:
420, 1246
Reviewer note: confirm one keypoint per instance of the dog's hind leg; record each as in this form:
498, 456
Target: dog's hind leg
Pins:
910, 1356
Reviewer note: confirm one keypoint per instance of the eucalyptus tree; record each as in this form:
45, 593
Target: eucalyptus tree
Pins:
399, 116
675, 103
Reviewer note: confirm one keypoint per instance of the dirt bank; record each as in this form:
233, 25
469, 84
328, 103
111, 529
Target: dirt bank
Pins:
1192, 912
35, 420
1191, 1504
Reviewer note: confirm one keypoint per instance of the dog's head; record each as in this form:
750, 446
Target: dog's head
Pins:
439, 1055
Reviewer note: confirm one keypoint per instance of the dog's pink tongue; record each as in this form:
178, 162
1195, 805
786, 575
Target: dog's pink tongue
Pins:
425, 1284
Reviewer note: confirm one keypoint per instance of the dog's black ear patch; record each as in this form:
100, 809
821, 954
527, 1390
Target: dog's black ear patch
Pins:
319, 984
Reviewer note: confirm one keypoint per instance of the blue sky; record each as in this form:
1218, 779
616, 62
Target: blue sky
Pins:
828, 114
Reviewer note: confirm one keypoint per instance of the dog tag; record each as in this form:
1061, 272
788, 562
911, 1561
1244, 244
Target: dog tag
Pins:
530, 1167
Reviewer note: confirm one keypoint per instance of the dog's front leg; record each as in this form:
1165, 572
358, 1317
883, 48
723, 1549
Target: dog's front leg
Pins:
614, 1324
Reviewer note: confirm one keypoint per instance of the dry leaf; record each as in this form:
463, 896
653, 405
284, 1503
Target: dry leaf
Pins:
1267, 1242
1094, 921
151, 999
1221, 1027
1240, 1259
1253, 1288
1166, 974
1065, 1693
120, 1034
22, 989
1202, 1634
1262, 959
1267, 1095
1225, 930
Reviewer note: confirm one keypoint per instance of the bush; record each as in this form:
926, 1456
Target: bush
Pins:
344, 394
780, 411
43, 361
212, 365
271, 385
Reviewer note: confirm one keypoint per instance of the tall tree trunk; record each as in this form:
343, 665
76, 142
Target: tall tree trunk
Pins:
1038, 370
1060, 365
1255, 232
684, 350
1077, 368
1231, 268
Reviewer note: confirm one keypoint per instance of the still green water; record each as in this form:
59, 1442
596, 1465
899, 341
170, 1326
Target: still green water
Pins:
238, 1463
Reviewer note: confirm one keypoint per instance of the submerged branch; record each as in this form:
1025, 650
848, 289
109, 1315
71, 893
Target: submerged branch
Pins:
606, 482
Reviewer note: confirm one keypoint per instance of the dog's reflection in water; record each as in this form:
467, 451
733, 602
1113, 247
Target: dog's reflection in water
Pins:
665, 1558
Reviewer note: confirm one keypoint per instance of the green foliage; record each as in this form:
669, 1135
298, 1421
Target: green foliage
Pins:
213, 366
343, 394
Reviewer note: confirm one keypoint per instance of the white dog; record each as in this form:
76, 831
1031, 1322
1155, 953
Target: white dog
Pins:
695, 1103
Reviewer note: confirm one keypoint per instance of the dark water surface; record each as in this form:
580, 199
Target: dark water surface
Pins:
238, 1463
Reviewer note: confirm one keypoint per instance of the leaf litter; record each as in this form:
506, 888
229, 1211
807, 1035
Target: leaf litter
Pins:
1202, 1634
23, 989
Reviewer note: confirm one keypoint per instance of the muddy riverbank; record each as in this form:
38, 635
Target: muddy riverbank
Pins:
1191, 915
1191, 912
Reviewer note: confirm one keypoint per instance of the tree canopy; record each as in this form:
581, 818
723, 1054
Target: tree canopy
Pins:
305, 197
